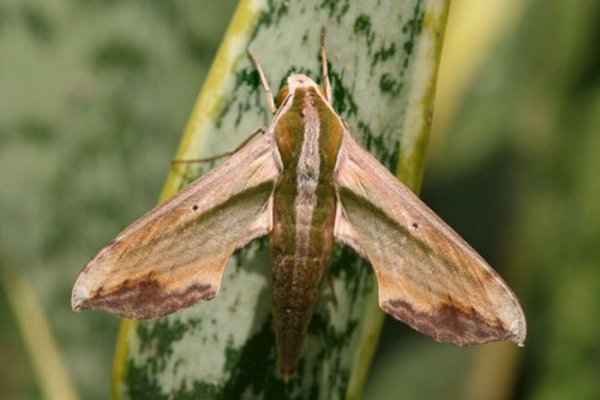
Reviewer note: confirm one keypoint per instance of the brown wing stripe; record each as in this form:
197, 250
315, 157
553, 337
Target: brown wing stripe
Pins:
450, 324
147, 299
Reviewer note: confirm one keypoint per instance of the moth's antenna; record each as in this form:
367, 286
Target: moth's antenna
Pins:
324, 70
263, 81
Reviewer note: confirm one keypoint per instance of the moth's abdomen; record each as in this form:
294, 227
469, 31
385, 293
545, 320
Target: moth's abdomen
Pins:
299, 262
295, 292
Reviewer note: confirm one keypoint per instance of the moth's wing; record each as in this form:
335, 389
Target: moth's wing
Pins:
427, 275
174, 256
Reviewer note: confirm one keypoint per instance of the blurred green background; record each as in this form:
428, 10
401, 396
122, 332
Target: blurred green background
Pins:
94, 96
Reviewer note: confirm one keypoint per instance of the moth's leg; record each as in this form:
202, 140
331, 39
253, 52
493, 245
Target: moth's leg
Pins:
263, 81
324, 70
212, 158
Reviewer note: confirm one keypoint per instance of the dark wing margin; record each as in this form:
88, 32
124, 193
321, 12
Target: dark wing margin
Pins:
174, 256
428, 277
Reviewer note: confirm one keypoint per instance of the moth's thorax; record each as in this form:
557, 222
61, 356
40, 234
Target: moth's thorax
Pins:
303, 113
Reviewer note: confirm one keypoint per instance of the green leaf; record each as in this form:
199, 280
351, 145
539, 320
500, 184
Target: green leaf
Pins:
383, 64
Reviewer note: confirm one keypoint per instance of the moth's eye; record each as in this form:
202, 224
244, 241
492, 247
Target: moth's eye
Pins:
281, 96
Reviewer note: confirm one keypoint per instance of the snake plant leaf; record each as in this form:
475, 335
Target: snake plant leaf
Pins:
383, 62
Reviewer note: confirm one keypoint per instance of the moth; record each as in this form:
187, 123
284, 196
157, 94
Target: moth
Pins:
304, 183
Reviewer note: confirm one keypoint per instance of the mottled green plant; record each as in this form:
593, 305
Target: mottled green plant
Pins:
383, 64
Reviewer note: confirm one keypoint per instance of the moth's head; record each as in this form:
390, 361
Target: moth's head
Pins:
296, 81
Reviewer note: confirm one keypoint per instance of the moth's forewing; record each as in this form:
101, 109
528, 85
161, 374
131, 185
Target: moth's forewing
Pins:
427, 275
174, 255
